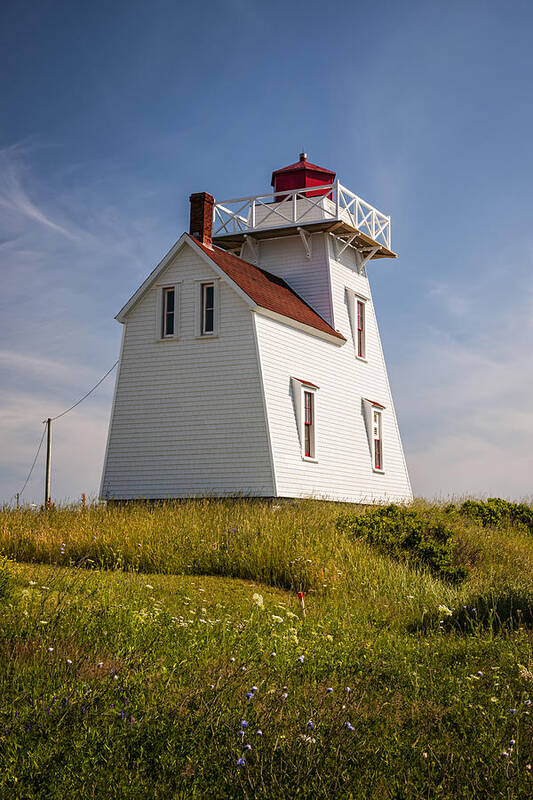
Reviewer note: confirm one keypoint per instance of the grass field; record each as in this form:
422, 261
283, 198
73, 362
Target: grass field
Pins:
160, 652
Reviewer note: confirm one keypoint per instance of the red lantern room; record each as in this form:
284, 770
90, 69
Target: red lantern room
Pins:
300, 176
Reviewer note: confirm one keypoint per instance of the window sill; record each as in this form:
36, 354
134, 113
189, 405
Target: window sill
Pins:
364, 360
379, 471
311, 460
167, 339
207, 336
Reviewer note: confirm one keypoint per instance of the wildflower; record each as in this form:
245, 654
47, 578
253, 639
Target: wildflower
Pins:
241, 762
247, 746
100, 664
284, 695
349, 726
272, 654
244, 724
527, 702
445, 610
479, 674
211, 685
258, 600
512, 742
301, 659
512, 711
241, 734
348, 689
232, 658
50, 649
254, 689
424, 754
329, 690
505, 753
249, 695
259, 732
243, 669
32, 583
311, 724
69, 661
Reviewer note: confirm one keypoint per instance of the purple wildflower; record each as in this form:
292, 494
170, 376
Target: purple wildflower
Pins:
241, 762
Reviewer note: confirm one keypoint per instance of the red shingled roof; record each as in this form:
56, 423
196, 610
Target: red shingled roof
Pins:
267, 290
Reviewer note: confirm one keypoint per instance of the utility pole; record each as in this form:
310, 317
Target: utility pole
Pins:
48, 462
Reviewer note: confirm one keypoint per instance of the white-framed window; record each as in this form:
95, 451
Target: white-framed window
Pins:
360, 344
169, 312
377, 439
167, 315
207, 309
305, 404
358, 319
373, 415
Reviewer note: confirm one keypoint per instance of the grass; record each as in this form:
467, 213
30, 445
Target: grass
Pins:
131, 637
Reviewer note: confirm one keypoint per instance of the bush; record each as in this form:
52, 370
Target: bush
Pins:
407, 535
495, 511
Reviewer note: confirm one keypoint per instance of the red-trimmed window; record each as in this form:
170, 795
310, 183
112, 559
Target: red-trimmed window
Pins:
168, 317
309, 425
377, 439
361, 344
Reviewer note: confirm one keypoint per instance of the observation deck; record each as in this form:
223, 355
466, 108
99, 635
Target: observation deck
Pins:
331, 207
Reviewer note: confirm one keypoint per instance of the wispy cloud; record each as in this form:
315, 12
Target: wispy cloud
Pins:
14, 197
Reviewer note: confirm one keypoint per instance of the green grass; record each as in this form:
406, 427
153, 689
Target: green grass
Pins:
121, 658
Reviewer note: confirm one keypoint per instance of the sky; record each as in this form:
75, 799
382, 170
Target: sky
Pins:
113, 113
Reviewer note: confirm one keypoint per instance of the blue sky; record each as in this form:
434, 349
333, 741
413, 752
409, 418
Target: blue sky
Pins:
113, 113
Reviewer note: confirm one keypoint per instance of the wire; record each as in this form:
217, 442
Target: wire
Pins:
88, 393
34, 462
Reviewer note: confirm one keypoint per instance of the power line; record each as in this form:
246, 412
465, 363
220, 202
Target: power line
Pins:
86, 395
34, 462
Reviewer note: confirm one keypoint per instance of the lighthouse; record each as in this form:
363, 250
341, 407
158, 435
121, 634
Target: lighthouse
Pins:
251, 363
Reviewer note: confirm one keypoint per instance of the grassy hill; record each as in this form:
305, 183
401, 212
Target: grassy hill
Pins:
161, 652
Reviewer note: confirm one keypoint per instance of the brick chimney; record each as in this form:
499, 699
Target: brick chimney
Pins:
202, 217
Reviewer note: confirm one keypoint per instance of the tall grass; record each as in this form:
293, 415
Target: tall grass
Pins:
125, 631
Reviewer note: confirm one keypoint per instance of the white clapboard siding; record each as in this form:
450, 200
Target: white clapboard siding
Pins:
285, 257
344, 469
188, 416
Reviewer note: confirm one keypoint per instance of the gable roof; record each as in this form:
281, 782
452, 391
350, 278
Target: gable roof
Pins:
268, 293
267, 290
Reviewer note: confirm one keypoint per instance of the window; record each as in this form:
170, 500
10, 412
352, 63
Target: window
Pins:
357, 313
207, 314
304, 396
168, 316
167, 312
309, 425
377, 439
360, 345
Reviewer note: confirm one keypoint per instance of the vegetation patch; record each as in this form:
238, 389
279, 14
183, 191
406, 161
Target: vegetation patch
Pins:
407, 535
495, 512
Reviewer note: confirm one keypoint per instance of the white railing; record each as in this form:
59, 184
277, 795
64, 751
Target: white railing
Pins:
293, 208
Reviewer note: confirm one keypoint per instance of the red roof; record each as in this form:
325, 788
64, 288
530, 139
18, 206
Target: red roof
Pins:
304, 164
267, 290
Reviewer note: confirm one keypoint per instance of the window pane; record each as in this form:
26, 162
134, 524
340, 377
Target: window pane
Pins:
208, 308
168, 312
209, 319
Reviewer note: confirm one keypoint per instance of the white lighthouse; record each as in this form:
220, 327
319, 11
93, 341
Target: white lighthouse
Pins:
251, 362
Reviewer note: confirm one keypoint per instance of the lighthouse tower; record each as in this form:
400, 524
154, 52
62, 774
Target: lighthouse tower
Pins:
251, 362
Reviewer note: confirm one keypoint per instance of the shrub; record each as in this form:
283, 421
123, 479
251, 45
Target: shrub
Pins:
495, 511
407, 535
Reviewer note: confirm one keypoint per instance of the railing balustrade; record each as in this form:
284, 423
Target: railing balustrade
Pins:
299, 206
